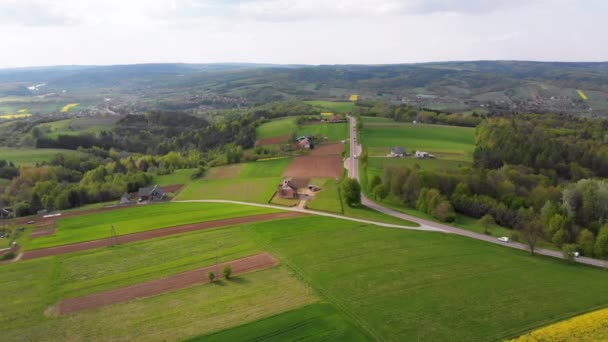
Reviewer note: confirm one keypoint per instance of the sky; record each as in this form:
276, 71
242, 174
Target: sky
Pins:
102, 32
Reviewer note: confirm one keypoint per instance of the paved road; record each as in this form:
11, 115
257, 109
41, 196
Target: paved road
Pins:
353, 172
314, 212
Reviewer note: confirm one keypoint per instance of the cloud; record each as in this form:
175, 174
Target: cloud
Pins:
35, 13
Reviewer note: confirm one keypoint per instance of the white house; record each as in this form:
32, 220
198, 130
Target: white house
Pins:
422, 155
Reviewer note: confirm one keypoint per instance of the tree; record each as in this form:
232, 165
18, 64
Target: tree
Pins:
487, 221
351, 189
375, 181
380, 192
532, 230
586, 241
227, 271
601, 242
569, 251
211, 276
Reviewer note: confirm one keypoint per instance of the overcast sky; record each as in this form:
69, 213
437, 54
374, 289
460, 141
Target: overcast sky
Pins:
58, 32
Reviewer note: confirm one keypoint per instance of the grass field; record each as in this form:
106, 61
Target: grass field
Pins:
138, 219
78, 125
250, 182
333, 131
328, 199
376, 166
316, 322
30, 156
277, 127
405, 285
182, 176
445, 142
332, 106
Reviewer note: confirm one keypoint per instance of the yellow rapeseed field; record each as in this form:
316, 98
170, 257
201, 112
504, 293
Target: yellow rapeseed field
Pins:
588, 327
68, 107
22, 111
582, 95
354, 97
15, 116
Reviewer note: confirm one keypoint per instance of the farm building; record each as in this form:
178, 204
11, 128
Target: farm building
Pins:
287, 189
396, 151
422, 155
4, 214
151, 194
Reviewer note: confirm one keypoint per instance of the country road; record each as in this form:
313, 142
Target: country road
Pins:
353, 172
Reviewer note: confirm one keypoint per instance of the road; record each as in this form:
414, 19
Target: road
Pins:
314, 212
353, 172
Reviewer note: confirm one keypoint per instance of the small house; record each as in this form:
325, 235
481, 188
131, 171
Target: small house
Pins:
305, 142
396, 151
287, 189
4, 214
423, 155
151, 194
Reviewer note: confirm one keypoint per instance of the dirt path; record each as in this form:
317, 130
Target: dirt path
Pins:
158, 286
39, 253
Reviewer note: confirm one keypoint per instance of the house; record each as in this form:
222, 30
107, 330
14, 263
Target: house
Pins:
336, 118
287, 189
305, 142
125, 198
396, 151
151, 194
4, 214
422, 155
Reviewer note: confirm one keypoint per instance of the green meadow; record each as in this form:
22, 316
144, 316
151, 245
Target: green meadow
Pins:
445, 142
30, 156
249, 182
138, 219
337, 280
332, 131
277, 127
332, 106
78, 125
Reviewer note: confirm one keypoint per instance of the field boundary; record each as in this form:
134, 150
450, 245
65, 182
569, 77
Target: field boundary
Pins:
162, 285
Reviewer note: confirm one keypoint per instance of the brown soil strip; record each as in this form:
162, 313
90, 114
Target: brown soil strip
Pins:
151, 234
328, 149
158, 286
315, 166
173, 188
42, 232
272, 141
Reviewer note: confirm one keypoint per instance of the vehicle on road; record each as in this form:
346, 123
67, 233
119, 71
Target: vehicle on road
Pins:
503, 239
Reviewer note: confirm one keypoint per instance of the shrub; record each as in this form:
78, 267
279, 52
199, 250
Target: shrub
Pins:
211, 276
568, 251
9, 256
227, 272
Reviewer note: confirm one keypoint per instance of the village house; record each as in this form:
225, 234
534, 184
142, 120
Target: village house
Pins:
396, 151
305, 142
287, 189
151, 194
422, 155
4, 214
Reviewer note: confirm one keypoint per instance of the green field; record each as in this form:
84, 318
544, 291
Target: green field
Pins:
375, 166
78, 125
138, 219
405, 285
445, 142
316, 322
182, 176
352, 282
250, 182
332, 106
333, 131
30, 156
277, 127
328, 199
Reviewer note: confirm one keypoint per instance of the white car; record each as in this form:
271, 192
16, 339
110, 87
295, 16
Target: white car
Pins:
503, 239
